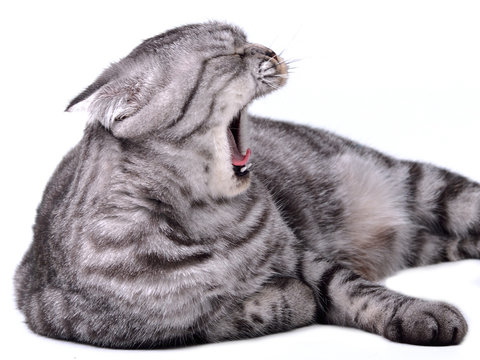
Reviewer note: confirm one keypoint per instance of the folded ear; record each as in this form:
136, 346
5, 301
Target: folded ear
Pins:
110, 99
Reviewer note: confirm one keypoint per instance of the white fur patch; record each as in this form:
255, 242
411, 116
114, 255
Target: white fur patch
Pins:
374, 208
375, 198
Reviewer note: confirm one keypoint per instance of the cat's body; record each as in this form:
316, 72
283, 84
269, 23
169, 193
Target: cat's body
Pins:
153, 232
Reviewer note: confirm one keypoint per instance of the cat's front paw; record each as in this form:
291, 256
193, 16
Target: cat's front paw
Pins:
427, 323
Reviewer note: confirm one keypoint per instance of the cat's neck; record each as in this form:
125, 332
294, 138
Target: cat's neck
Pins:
150, 169
146, 185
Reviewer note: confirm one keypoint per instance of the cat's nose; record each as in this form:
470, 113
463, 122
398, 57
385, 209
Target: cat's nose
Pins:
258, 50
266, 55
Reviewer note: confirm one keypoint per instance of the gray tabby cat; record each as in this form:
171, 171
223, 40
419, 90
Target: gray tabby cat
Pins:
154, 231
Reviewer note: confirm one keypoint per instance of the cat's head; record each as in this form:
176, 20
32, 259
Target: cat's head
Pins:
189, 86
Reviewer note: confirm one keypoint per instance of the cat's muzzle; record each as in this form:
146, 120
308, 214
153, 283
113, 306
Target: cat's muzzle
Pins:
268, 55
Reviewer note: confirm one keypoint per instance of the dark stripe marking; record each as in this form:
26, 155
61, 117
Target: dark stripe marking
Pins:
235, 242
455, 185
202, 126
190, 96
323, 291
415, 175
364, 289
417, 244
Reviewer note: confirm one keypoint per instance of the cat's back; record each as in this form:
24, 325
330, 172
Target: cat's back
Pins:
296, 164
325, 184
286, 143
299, 156
58, 185
34, 270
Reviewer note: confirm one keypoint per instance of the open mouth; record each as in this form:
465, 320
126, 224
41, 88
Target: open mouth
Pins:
239, 161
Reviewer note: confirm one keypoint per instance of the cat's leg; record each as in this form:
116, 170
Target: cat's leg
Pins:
445, 208
338, 296
347, 299
67, 315
283, 304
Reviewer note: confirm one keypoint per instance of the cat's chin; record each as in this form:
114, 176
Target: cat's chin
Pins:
229, 186
240, 184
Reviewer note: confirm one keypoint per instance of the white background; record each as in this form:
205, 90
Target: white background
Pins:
401, 76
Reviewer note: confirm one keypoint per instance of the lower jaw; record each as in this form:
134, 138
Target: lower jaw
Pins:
242, 183
241, 171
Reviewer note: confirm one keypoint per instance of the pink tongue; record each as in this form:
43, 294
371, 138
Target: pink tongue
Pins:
237, 158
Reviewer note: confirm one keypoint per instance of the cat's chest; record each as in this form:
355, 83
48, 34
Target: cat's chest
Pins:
226, 249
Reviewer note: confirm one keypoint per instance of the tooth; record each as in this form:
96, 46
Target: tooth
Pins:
245, 168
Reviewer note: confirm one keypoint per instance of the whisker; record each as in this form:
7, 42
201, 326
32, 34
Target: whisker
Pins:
291, 61
265, 81
286, 62
269, 83
271, 57
283, 76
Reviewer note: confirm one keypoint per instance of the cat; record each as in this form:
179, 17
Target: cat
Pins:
180, 219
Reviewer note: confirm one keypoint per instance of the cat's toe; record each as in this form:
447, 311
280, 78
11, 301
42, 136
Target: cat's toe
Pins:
427, 323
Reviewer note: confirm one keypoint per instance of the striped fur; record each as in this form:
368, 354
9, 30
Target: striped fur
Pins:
147, 236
